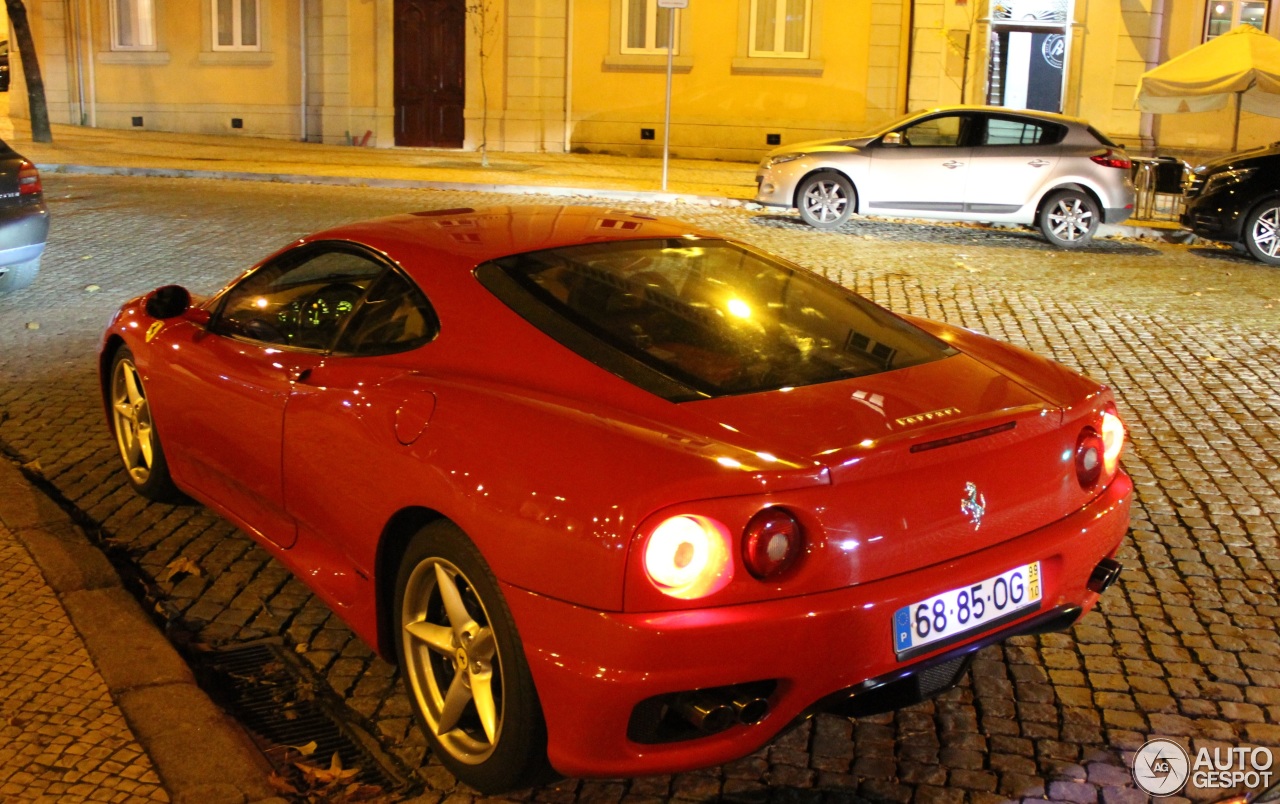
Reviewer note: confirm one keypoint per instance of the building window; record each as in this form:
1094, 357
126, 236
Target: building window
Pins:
780, 28
235, 25
1223, 15
133, 25
645, 27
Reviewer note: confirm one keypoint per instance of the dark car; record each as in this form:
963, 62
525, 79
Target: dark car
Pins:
1236, 199
4, 65
24, 220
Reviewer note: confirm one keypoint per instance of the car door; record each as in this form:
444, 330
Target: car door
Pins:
230, 382
923, 169
349, 430
1013, 158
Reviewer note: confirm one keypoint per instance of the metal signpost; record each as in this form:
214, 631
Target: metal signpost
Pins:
671, 46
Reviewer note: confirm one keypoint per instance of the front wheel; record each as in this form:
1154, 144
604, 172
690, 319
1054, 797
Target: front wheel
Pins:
1069, 218
135, 433
1262, 232
826, 200
464, 667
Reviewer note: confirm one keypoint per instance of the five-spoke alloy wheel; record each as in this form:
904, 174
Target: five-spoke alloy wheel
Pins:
1262, 232
826, 199
135, 432
1069, 218
463, 664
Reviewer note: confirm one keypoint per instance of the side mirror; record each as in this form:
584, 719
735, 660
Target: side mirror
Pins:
169, 301
892, 138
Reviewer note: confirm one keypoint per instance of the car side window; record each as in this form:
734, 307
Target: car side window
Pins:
394, 317
1001, 131
945, 131
301, 300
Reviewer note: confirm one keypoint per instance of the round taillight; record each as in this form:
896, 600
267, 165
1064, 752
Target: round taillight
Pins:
771, 542
688, 557
1089, 458
1112, 441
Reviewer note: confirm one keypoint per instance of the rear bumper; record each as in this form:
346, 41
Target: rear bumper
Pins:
825, 650
23, 230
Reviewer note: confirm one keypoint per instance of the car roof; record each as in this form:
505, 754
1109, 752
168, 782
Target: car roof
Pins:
1049, 116
474, 236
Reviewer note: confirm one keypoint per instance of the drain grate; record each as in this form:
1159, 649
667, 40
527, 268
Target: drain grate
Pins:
278, 698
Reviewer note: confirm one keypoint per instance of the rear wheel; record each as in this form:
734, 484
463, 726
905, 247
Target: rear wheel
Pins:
826, 200
1262, 232
19, 276
464, 667
136, 435
1069, 218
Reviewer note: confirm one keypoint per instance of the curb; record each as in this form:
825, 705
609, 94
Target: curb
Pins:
199, 752
395, 184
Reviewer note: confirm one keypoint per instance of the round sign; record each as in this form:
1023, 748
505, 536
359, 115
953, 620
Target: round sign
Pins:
1161, 767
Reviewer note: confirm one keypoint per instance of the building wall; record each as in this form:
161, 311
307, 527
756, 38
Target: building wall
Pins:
723, 103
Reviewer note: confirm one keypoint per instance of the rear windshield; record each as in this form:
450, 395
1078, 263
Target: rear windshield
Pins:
691, 318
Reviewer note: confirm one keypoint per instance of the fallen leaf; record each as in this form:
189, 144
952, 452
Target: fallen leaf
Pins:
180, 566
306, 749
33, 325
301, 647
92, 288
326, 776
87, 257
33, 467
280, 784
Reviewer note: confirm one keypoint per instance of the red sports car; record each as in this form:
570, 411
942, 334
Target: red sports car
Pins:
622, 497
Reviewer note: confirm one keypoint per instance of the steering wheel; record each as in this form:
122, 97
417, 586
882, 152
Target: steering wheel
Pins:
320, 314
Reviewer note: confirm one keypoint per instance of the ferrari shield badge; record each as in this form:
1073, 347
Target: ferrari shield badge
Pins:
973, 504
154, 330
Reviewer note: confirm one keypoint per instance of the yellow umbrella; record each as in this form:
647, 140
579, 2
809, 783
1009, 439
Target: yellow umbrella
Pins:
1244, 62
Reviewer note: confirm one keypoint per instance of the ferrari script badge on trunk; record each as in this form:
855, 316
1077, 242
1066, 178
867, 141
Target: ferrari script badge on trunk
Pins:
973, 505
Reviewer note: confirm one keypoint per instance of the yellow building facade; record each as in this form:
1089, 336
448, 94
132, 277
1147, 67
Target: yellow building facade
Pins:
590, 75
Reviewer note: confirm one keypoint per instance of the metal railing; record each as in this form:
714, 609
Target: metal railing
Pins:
1158, 182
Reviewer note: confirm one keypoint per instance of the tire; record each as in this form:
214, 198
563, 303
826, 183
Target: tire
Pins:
505, 748
136, 435
1069, 218
19, 276
1262, 232
826, 199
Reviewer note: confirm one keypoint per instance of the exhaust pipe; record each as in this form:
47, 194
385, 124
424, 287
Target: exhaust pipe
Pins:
1104, 575
708, 714
749, 709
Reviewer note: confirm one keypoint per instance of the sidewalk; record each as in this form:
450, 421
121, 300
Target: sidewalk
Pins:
95, 705
77, 149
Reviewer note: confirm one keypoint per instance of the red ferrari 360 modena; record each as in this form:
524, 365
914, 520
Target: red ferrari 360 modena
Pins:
619, 496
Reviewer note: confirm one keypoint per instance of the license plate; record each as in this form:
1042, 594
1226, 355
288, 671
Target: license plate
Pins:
959, 612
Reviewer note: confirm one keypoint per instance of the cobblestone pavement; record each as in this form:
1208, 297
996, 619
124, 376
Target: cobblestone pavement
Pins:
62, 738
1185, 645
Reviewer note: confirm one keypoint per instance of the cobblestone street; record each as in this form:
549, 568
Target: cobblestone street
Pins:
1186, 644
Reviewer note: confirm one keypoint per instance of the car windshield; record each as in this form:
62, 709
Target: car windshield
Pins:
713, 316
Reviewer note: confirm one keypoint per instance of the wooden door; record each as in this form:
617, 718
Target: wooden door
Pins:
430, 57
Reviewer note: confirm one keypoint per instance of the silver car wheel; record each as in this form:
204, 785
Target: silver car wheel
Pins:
1262, 234
826, 199
1069, 218
131, 415
452, 662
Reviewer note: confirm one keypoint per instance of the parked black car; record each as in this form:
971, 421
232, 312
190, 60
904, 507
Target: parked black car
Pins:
1236, 199
24, 220
4, 65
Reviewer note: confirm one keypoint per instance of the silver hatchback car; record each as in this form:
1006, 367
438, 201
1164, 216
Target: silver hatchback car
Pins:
964, 163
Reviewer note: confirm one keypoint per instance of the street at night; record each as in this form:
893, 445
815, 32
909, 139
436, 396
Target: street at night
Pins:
1185, 645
